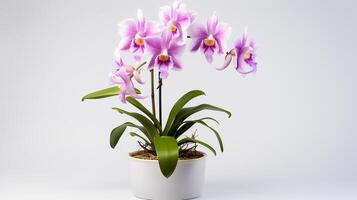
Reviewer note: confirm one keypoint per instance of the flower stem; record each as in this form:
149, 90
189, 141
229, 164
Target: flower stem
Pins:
160, 99
142, 64
153, 93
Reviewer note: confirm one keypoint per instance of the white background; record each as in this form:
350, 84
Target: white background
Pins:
292, 134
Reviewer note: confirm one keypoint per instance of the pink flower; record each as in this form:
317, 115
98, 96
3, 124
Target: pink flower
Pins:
122, 76
177, 19
164, 53
245, 56
134, 33
209, 38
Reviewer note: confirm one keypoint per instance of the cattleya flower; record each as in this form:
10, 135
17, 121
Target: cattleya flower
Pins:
122, 76
209, 38
177, 19
165, 53
245, 55
134, 33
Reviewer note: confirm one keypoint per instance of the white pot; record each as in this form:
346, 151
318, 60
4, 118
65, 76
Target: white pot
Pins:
186, 182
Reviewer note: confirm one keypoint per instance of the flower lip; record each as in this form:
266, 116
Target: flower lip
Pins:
209, 41
247, 56
139, 41
173, 28
164, 56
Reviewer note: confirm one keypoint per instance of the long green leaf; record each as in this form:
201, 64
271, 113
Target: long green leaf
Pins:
189, 124
141, 107
149, 126
191, 140
117, 132
178, 106
186, 112
174, 128
108, 92
133, 134
167, 151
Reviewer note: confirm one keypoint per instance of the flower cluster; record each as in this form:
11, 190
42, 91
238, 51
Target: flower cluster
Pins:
165, 41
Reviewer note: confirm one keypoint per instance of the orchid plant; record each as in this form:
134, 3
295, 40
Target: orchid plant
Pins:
163, 42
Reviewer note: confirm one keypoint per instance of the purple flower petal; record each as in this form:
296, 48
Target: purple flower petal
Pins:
122, 93
176, 50
131, 91
138, 52
195, 44
125, 43
140, 25
152, 61
127, 28
137, 77
153, 45
197, 31
212, 24
164, 71
166, 38
176, 64
208, 51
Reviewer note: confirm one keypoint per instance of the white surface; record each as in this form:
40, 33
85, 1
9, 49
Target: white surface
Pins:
74, 189
147, 182
293, 123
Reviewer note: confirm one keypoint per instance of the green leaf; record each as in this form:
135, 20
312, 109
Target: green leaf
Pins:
139, 136
192, 140
148, 125
178, 106
174, 128
189, 124
141, 107
108, 92
187, 112
117, 132
167, 152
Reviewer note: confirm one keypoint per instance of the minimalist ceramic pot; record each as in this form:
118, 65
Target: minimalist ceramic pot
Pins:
186, 182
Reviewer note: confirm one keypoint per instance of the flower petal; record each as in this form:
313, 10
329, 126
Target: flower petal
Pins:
125, 43
223, 31
176, 50
140, 26
209, 54
197, 31
153, 45
131, 91
117, 58
166, 38
164, 71
164, 14
137, 77
195, 44
152, 60
122, 93
176, 64
127, 28
138, 52
212, 24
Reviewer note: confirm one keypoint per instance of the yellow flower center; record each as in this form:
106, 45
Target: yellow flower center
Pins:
247, 56
163, 57
139, 41
209, 41
172, 28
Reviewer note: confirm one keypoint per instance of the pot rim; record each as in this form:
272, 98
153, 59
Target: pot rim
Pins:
179, 161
